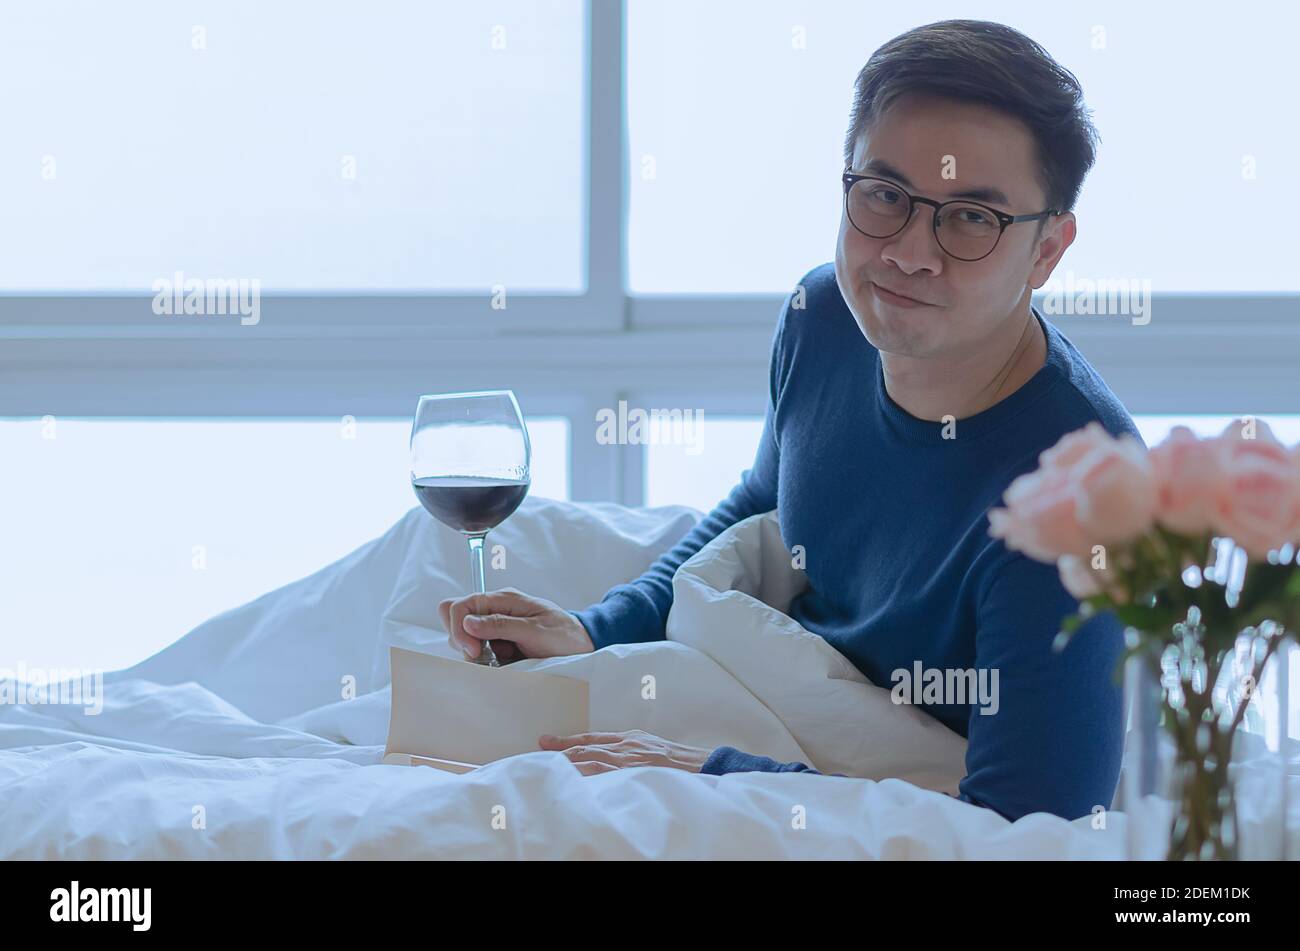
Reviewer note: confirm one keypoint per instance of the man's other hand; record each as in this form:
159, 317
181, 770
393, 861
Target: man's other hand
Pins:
594, 753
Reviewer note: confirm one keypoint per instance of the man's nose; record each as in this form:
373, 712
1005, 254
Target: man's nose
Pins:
914, 248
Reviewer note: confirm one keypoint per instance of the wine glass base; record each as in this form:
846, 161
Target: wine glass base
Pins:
487, 656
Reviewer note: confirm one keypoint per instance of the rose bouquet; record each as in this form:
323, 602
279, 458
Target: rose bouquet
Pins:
1193, 546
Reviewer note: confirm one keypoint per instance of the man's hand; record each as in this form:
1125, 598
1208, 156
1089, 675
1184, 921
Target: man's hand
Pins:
602, 752
517, 624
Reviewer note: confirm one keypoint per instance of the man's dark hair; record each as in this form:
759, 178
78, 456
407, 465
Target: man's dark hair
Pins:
992, 64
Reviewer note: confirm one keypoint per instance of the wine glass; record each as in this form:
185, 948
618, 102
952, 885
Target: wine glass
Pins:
470, 460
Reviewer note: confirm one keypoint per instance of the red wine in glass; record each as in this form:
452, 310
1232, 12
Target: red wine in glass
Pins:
470, 504
470, 459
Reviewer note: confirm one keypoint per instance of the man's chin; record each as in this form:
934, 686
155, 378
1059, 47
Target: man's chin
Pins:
894, 336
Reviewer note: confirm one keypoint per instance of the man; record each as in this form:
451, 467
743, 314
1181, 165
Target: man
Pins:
915, 384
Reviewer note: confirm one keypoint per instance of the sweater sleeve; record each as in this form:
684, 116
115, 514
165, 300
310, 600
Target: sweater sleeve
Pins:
1055, 741
638, 610
728, 759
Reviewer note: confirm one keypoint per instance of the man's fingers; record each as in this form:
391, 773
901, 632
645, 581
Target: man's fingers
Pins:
593, 754
452, 614
549, 742
591, 769
494, 627
507, 601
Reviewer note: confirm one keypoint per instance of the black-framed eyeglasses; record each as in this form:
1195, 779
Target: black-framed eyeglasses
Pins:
965, 230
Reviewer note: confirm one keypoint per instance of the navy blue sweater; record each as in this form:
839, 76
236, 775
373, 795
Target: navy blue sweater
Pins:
893, 521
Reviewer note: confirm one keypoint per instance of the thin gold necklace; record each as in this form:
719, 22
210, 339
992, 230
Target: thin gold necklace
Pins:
1005, 372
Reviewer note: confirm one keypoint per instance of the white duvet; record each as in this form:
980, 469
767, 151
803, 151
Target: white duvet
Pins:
259, 734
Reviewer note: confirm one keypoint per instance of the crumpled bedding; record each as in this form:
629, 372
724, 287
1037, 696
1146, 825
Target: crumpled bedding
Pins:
259, 734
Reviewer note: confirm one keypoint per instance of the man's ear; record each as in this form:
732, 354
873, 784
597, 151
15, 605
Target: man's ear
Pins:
1058, 234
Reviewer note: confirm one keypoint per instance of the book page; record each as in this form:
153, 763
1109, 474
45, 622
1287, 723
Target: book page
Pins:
446, 765
452, 709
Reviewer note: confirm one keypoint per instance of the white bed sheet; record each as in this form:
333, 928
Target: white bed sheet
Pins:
236, 742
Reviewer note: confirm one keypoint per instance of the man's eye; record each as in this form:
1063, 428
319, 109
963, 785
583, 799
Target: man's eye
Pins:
974, 217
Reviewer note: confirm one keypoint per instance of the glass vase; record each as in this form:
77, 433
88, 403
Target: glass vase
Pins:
1192, 789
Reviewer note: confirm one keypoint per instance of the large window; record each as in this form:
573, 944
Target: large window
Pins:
738, 109
588, 201
313, 146
121, 535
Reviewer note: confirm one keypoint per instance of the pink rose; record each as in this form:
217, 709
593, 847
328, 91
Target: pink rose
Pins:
1078, 577
1189, 480
1089, 489
1258, 498
1117, 498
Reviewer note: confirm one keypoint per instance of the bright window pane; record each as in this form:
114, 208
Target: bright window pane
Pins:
308, 144
738, 109
122, 535
703, 472
1154, 428
674, 475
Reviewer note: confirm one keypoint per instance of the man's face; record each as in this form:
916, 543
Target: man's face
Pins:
993, 161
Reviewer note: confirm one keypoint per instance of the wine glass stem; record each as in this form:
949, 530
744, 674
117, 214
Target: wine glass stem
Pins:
487, 657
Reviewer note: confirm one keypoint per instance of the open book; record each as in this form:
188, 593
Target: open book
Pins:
457, 716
